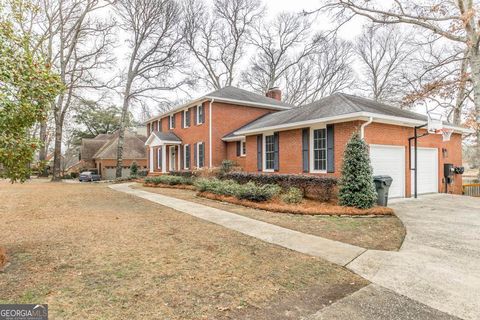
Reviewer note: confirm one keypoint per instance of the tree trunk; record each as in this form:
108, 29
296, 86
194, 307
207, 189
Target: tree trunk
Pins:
475, 66
57, 153
121, 134
42, 154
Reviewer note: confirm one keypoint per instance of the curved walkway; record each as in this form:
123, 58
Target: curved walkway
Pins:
337, 252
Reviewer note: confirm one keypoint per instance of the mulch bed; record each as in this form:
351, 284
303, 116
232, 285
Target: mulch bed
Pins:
307, 207
176, 186
3, 258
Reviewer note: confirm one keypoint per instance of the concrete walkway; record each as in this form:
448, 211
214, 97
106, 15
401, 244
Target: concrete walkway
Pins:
336, 252
439, 261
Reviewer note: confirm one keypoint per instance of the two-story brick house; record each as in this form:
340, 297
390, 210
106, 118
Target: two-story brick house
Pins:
263, 134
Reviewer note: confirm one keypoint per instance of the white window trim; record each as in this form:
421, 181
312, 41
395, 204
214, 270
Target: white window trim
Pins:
198, 113
170, 118
159, 123
159, 165
264, 154
243, 143
312, 164
185, 164
185, 119
198, 154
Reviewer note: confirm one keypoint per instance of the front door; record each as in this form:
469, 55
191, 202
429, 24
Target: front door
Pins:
173, 158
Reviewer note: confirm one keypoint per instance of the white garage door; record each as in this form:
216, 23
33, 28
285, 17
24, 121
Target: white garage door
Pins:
427, 175
390, 160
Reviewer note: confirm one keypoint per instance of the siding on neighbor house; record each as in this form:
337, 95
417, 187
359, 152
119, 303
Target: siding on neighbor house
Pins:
291, 159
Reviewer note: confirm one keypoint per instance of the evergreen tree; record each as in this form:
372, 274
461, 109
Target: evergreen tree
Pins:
134, 169
356, 184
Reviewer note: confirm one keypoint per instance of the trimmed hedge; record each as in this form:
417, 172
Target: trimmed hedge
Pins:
169, 180
249, 191
316, 187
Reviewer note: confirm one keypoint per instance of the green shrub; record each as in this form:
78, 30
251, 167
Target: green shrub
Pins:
227, 166
316, 187
168, 180
258, 193
223, 187
293, 195
134, 169
356, 184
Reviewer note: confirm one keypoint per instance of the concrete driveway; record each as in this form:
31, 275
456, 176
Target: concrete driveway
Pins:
439, 262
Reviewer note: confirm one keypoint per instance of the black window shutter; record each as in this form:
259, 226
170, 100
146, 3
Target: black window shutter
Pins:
238, 148
259, 152
187, 157
305, 149
173, 121
202, 159
330, 148
180, 156
183, 119
195, 113
276, 147
195, 162
202, 118
160, 153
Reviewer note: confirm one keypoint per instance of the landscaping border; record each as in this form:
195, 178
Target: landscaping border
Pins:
331, 210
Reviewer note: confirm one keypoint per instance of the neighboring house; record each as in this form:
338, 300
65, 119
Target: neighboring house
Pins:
100, 154
263, 134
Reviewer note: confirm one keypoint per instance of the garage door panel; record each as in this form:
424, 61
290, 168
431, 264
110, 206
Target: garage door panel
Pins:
390, 160
427, 174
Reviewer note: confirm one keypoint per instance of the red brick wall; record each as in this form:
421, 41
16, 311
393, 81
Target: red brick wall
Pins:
290, 145
225, 119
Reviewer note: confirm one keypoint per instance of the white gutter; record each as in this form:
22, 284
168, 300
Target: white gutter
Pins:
348, 117
362, 128
210, 133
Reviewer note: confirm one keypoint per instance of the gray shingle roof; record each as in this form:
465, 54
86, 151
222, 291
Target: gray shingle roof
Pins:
133, 147
235, 93
331, 106
167, 136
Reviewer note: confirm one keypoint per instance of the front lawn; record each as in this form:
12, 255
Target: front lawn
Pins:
92, 253
371, 232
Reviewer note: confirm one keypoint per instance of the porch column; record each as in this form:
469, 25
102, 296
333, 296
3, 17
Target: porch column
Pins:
164, 158
151, 158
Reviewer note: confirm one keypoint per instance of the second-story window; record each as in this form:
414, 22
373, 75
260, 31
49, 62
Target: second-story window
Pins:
200, 114
171, 121
186, 118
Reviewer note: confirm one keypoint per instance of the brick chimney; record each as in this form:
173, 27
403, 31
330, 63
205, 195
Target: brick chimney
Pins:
274, 93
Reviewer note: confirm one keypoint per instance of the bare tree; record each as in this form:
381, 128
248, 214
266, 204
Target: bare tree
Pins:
155, 44
217, 37
280, 44
453, 21
326, 71
76, 42
384, 53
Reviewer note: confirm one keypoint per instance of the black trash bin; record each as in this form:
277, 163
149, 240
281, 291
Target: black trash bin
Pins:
382, 184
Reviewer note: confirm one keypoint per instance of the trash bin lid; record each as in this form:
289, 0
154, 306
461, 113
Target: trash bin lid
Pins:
387, 180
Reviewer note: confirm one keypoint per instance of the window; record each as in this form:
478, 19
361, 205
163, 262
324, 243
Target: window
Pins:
243, 148
269, 152
186, 156
159, 125
200, 117
171, 121
200, 154
186, 118
320, 149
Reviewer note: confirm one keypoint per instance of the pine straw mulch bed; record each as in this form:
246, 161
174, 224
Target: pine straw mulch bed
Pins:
306, 207
3, 258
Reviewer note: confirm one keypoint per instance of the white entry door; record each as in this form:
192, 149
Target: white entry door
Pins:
390, 160
173, 158
427, 175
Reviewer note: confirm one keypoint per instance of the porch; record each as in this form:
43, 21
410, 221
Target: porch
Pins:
164, 152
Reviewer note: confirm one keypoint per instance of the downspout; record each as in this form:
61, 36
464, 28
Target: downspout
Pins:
210, 133
362, 128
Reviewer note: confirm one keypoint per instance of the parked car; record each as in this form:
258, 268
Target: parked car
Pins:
88, 176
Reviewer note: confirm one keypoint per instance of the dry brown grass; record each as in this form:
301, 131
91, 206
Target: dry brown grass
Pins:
307, 207
92, 253
371, 232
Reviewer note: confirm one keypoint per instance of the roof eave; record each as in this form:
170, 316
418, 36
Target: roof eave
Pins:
348, 117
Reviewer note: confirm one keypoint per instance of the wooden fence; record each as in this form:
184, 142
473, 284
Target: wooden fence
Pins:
472, 189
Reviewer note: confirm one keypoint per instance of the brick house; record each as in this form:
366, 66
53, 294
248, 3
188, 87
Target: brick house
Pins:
100, 154
263, 134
